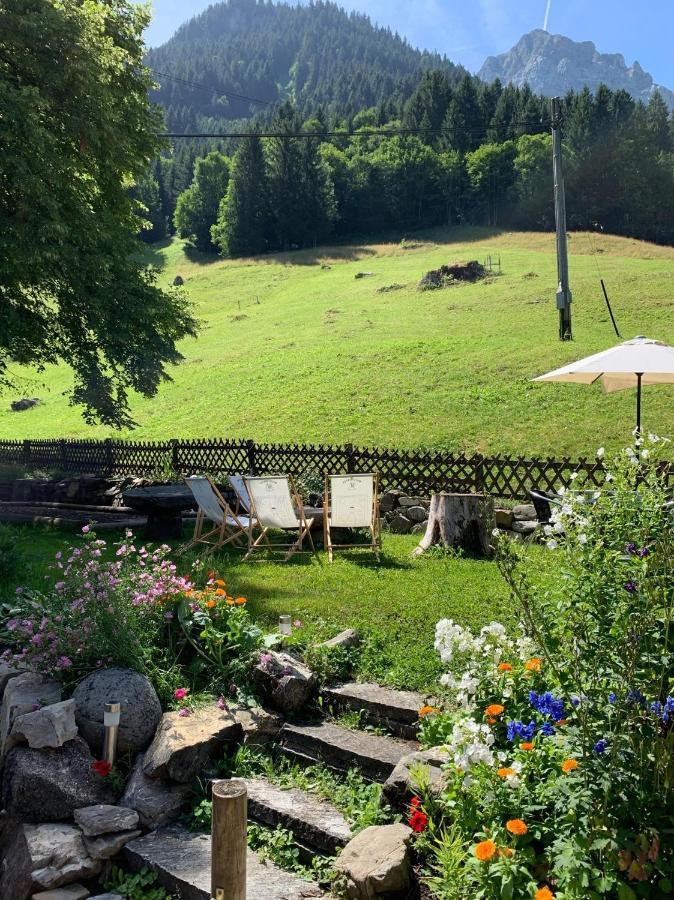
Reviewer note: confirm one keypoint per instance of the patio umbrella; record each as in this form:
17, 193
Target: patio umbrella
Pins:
631, 364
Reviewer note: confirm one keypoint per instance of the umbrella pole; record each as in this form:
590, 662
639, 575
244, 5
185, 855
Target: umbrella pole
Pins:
638, 431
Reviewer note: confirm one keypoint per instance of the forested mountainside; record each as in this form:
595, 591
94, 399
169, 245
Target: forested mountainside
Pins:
315, 56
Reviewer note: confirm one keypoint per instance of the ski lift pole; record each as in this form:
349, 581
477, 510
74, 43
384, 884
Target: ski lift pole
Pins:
564, 295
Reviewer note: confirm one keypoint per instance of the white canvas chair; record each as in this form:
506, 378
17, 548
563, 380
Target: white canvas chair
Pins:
275, 503
351, 501
238, 485
229, 527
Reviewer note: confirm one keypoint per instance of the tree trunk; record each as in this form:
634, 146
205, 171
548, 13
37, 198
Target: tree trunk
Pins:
459, 520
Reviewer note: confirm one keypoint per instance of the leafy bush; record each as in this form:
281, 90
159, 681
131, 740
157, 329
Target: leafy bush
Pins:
12, 554
141, 886
132, 610
561, 740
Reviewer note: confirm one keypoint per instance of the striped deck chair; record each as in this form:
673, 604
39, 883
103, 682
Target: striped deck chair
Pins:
352, 501
275, 504
229, 527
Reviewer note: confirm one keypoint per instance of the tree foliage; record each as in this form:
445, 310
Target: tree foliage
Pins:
76, 132
197, 207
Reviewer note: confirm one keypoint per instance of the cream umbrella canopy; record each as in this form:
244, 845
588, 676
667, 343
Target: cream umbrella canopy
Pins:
633, 363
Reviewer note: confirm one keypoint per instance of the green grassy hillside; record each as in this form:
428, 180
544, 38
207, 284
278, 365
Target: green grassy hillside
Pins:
294, 348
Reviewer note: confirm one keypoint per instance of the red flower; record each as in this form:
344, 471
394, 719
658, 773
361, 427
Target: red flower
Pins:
418, 821
415, 802
102, 767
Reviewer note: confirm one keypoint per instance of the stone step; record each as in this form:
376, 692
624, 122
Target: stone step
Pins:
316, 825
398, 711
182, 861
342, 749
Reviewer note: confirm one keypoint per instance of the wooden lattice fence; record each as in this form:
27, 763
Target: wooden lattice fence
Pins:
416, 472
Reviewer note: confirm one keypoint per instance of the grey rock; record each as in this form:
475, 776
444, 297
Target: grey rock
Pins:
376, 863
107, 897
398, 711
409, 502
141, 709
342, 749
400, 524
286, 683
524, 527
50, 726
24, 403
345, 639
155, 802
182, 861
314, 823
69, 892
503, 518
105, 819
24, 694
109, 845
49, 785
7, 671
420, 527
259, 725
184, 744
552, 65
178, 280
401, 785
525, 512
44, 857
388, 502
416, 513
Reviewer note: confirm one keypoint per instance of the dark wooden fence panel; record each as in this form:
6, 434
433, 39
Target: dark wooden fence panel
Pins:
416, 472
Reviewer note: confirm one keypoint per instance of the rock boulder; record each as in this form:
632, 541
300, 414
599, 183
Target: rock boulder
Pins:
155, 802
105, 819
23, 694
141, 709
50, 726
400, 786
286, 683
376, 863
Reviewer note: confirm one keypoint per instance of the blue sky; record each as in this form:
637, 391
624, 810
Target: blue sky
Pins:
470, 30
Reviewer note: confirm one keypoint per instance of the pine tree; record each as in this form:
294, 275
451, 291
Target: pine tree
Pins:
244, 221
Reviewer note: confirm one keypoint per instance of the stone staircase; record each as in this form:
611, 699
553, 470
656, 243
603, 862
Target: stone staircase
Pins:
182, 859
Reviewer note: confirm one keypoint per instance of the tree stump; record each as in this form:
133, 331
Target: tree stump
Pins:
459, 520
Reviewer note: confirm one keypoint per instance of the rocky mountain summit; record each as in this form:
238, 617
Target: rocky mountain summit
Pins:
552, 64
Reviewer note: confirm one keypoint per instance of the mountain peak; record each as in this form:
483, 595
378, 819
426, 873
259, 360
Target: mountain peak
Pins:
552, 64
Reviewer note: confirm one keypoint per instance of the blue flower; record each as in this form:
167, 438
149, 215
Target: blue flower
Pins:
631, 587
547, 705
634, 696
547, 730
669, 709
519, 730
575, 701
612, 697
631, 548
643, 553
656, 708
600, 746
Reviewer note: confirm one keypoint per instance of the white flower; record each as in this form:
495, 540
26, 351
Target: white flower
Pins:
561, 491
608, 477
600, 453
467, 781
573, 476
645, 453
582, 539
559, 528
552, 545
653, 438
495, 532
547, 530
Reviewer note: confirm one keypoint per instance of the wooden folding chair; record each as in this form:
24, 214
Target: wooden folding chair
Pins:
276, 504
352, 501
229, 527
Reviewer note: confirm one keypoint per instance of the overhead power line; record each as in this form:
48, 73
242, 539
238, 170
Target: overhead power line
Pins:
213, 90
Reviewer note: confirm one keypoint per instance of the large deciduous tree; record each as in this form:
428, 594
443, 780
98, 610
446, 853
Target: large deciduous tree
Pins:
76, 132
197, 207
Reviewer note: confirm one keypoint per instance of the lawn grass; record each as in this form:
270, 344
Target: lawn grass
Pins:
394, 604
294, 348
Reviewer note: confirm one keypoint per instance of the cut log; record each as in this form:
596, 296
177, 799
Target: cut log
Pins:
459, 521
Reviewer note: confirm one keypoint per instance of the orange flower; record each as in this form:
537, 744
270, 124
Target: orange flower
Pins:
505, 667
569, 765
544, 893
219, 592
230, 601
219, 582
533, 665
189, 593
505, 772
427, 711
485, 850
491, 720
526, 745
240, 601
211, 603
494, 710
506, 851
561, 722
516, 826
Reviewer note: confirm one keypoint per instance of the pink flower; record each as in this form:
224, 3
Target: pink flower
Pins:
63, 662
86, 529
180, 693
184, 712
221, 703
297, 623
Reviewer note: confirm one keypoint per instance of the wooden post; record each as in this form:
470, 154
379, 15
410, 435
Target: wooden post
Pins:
228, 836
